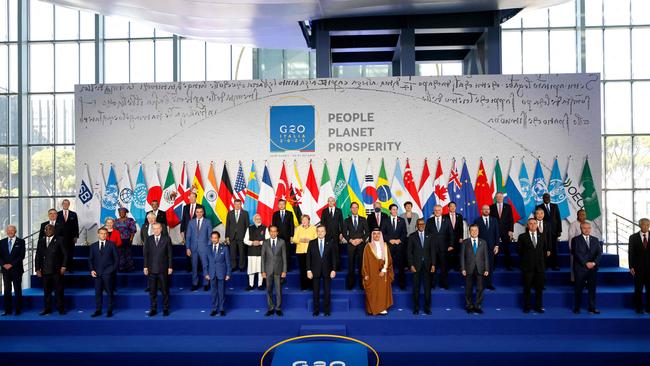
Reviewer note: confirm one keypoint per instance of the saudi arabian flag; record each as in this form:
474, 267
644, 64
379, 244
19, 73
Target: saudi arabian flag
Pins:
341, 192
589, 194
383, 190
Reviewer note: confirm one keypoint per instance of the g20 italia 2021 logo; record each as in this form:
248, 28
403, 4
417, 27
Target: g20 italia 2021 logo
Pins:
292, 128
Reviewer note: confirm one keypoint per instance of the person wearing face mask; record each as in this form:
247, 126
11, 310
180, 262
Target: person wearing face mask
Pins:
376, 218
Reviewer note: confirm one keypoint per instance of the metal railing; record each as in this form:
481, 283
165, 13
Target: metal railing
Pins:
623, 228
31, 242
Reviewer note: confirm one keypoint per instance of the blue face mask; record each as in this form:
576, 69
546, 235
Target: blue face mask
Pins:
377, 209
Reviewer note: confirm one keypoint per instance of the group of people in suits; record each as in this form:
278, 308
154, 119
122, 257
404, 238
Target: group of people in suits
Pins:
426, 248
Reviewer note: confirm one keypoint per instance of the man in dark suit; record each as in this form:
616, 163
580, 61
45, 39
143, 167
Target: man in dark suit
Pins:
51, 257
147, 228
474, 265
217, 270
274, 270
441, 236
377, 218
394, 231
502, 212
160, 215
51, 220
12, 254
533, 250
237, 222
488, 230
283, 219
103, 261
332, 219
554, 222
355, 232
586, 259
69, 224
419, 261
157, 253
639, 260
458, 227
321, 263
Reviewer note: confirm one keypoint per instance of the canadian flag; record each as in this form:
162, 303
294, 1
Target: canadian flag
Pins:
440, 189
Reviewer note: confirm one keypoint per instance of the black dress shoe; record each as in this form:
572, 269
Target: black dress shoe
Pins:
526, 311
445, 287
6, 313
279, 313
165, 312
469, 310
62, 312
18, 312
194, 288
416, 312
248, 288
491, 287
96, 314
540, 310
213, 313
146, 289
269, 313
594, 311
315, 313
153, 312
556, 268
576, 311
206, 288
222, 313
428, 312
261, 288
109, 314
45, 312
327, 313
478, 310
638, 311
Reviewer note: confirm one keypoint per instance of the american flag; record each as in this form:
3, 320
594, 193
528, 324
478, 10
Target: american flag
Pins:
240, 185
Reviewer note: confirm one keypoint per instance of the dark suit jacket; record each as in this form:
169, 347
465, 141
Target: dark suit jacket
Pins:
639, 258
57, 229
553, 217
583, 253
15, 258
440, 240
237, 230
161, 217
372, 221
491, 234
470, 261
104, 262
532, 258
333, 225
144, 231
506, 221
417, 255
158, 258
286, 227
186, 216
321, 266
361, 232
459, 229
50, 259
70, 228
390, 233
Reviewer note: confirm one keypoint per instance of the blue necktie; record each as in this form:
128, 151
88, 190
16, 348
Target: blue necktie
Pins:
10, 245
320, 247
422, 239
474, 245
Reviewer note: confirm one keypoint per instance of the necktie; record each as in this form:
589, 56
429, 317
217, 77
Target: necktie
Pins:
157, 238
282, 215
191, 211
500, 209
354, 219
587, 240
273, 245
65, 215
320, 247
421, 239
332, 212
237, 216
645, 241
453, 220
437, 223
52, 223
214, 248
548, 208
10, 245
474, 245
533, 237
378, 216
101, 246
48, 241
487, 225
394, 224
199, 225
541, 226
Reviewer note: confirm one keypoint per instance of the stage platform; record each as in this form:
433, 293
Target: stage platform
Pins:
504, 335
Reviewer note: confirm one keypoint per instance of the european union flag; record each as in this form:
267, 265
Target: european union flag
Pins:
467, 201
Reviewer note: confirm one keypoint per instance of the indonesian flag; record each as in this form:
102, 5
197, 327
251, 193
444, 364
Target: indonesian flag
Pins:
175, 213
310, 197
266, 199
482, 190
411, 189
440, 189
155, 190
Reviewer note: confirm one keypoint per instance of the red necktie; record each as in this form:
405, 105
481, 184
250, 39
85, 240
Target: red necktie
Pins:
191, 211
65, 216
645, 241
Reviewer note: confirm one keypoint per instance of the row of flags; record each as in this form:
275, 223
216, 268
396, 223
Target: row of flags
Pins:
99, 199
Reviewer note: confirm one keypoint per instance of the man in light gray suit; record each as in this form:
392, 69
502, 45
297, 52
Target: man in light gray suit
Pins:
274, 269
474, 265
